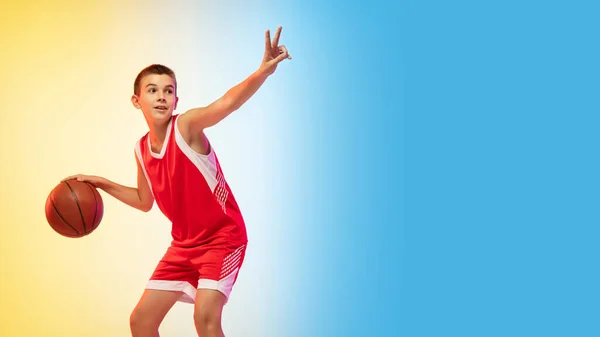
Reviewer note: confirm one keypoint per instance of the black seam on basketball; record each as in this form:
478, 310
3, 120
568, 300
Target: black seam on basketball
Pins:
78, 207
63, 219
95, 204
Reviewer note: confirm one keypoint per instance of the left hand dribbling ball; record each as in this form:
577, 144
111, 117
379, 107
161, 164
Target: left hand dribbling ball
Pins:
74, 208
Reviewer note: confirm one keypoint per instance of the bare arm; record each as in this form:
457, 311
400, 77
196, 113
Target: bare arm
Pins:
140, 198
128, 195
198, 119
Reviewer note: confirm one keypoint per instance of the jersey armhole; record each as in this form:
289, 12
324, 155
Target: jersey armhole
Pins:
138, 153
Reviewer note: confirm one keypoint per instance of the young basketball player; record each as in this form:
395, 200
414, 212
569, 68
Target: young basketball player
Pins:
178, 168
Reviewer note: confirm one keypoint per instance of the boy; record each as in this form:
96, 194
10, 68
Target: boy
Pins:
178, 168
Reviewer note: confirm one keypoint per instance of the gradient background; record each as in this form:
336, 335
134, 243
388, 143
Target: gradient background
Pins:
420, 168
314, 160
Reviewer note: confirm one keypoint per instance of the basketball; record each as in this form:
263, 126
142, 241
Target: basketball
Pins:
74, 208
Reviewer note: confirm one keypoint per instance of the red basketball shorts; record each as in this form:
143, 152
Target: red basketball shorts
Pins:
187, 270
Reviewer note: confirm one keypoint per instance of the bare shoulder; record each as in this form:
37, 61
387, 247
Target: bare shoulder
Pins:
183, 126
196, 140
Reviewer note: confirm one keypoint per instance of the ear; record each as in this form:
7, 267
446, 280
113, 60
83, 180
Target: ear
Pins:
175, 103
136, 102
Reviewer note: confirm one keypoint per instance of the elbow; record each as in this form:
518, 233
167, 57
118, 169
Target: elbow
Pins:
146, 207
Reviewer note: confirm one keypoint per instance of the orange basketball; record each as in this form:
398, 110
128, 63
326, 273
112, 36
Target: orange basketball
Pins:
74, 208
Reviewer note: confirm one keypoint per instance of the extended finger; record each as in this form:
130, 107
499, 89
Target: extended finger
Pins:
276, 39
268, 41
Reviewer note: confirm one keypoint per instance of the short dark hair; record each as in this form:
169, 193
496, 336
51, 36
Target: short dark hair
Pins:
153, 69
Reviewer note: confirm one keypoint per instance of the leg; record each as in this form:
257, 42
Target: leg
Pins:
150, 311
207, 312
218, 269
173, 280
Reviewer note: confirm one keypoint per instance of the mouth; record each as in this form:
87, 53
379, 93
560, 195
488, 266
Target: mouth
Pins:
161, 107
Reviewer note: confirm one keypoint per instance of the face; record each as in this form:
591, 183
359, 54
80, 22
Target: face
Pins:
157, 98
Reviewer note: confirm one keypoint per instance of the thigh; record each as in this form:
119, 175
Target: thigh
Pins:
207, 312
209, 304
154, 305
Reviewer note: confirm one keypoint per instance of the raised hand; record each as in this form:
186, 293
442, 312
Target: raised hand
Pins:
274, 53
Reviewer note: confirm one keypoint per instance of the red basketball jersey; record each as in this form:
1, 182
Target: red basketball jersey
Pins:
191, 191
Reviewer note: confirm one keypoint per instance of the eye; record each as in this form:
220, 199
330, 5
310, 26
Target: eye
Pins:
169, 91
151, 90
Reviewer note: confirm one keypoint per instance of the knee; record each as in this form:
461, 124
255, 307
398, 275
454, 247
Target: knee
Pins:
207, 321
141, 320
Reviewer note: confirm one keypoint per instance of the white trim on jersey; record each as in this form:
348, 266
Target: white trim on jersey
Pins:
165, 143
206, 164
143, 165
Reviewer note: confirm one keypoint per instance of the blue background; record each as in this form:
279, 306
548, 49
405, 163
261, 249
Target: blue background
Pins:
443, 175
343, 226
501, 206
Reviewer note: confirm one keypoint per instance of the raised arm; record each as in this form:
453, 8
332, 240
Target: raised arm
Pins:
198, 119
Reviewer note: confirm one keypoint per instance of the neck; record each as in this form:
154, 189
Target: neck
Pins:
157, 134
